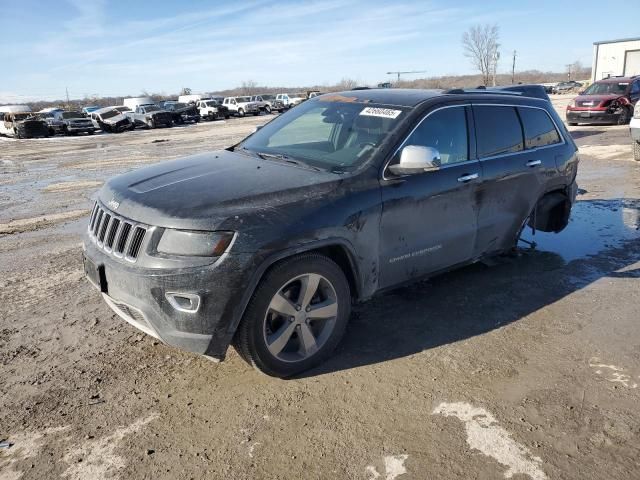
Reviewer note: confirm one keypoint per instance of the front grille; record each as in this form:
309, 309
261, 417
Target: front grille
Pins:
116, 235
587, 103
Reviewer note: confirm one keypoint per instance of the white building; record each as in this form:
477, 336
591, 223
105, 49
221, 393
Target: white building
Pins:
616, 57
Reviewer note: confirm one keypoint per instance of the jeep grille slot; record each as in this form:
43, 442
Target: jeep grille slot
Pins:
118, 236
136, 242
112, 233
124, 235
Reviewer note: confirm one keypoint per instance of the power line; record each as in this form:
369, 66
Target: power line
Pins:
403, 73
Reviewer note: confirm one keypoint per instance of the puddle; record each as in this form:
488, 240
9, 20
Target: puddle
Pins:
595, 226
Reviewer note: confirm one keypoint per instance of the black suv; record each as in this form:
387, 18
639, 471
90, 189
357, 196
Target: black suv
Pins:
266, 244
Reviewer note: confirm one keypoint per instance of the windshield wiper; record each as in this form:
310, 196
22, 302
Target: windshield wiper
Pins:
284, 158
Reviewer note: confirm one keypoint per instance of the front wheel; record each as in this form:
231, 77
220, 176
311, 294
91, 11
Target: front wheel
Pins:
267, 109
625, 116
240, 112
296, 317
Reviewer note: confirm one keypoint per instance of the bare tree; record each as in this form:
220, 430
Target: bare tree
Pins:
185, 91
249, 87
480, 44
347, 84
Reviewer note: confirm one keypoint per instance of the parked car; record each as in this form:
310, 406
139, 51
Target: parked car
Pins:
212, 108
263, 105
241, 106
111, 120
53, 124
566, 87
182, 112
20, 122
606, 101
269, 99
266, 244
634, 126
290, 100
74, 123
150, 116
86, 111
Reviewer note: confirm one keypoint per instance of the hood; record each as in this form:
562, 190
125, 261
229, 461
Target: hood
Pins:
201, 191
595, 100
116, 119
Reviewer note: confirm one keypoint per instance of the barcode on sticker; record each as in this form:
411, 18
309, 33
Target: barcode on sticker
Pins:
380, 112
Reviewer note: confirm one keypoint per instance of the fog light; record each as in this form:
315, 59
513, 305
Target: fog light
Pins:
184, 302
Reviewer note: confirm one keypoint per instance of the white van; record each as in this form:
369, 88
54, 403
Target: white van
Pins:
135, 102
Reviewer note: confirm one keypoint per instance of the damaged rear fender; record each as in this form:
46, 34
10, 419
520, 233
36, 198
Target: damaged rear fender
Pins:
551, 213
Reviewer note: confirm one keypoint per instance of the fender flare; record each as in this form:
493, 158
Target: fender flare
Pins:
272, 259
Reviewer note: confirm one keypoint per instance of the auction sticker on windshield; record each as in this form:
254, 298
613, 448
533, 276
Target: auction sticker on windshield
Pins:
380, 112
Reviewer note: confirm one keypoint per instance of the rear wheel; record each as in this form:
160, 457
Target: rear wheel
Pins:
296, 317
240, 112
267, 109
636, 151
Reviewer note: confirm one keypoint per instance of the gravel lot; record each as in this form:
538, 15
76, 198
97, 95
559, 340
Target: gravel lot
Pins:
525, 367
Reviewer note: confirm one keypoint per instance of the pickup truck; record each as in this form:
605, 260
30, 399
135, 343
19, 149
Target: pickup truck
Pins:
212, 108
241, 106
151, 116
268, 103
182, 112
74, 123
290, 99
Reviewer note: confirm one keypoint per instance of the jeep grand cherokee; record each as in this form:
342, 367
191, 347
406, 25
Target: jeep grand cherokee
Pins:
265, 245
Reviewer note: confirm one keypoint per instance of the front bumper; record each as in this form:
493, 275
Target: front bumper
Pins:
138, 295
81, 128
592, 116
634, 127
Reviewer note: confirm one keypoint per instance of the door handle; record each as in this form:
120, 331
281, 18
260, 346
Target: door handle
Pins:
468, 177
533, 163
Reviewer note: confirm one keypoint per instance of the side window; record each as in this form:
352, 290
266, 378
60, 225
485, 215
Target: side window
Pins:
635, 88
446, 131
539, 130
498, 130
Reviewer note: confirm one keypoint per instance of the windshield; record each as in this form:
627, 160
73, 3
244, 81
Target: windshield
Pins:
329, 135
22, 116
150, 108
243, 99
110, 114
606, 88
267, 97
72, 115
211, 103
123, 109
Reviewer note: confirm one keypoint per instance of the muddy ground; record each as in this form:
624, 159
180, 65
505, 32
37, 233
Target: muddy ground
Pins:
525, 368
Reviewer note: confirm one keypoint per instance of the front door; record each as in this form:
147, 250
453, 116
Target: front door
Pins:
429, 220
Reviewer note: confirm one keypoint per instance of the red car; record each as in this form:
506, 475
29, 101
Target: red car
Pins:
606, 101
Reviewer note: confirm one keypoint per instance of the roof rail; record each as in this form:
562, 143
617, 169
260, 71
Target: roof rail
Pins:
458, 91
531, 90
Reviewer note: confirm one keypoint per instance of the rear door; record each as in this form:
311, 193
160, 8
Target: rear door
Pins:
515, 146
429, 220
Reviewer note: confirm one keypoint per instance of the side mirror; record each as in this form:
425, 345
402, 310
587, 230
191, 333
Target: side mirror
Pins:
416, 159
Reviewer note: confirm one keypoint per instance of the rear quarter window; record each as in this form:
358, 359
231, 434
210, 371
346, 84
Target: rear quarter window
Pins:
498, 130
539, 130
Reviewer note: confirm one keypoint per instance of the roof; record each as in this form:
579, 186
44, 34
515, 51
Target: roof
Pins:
15, 108
617, 79
619, 40
401, 97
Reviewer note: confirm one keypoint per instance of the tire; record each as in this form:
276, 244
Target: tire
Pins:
17, 132
329, 287
267, 109
625, 116
65, 131
90, 132
240, 112
227, 117
257, 113
52, 132
636, 151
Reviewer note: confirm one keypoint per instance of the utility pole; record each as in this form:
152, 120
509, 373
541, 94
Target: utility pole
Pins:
513, 69
496, 57
67, 90
568, 71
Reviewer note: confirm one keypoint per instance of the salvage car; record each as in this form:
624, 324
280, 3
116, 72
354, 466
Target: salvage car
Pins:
266, 245
150, 116
608, 101
212, 108
20, 122
86, 111
634, 127
290, 100
241, 106
270, 100
74, 123
182, 112
566, 87
53, 124
111, 120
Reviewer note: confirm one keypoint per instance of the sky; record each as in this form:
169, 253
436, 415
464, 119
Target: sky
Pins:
115, 48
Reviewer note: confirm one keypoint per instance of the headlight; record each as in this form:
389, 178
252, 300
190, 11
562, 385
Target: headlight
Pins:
194, 243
